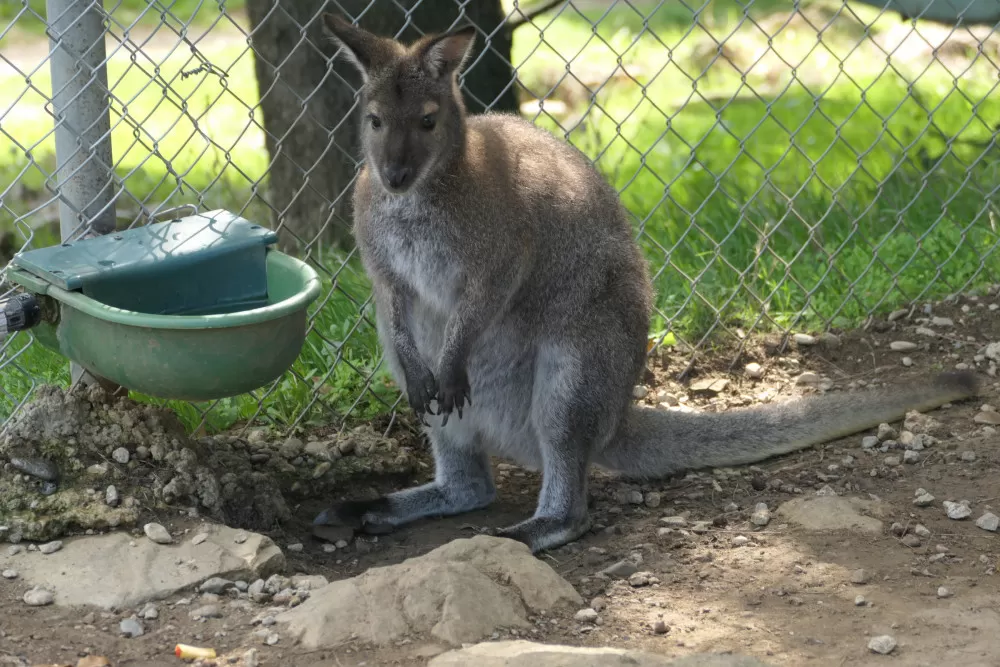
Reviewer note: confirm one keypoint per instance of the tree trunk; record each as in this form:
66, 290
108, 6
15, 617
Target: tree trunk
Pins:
309, 114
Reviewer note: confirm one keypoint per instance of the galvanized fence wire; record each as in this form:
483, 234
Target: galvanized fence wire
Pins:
786, 165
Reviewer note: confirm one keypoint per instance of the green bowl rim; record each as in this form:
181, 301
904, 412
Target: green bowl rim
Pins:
273, 311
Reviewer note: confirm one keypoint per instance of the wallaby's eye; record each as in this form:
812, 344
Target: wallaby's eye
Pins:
427, 122
375, 121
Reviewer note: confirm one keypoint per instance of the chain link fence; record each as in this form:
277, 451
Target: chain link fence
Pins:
787, 165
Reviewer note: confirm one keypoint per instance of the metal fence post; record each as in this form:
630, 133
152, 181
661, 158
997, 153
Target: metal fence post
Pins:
81, 110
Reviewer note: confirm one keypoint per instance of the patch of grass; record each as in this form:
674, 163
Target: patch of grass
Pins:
29, 15
779, 174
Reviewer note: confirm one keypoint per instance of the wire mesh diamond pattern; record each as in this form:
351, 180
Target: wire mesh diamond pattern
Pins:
788, 164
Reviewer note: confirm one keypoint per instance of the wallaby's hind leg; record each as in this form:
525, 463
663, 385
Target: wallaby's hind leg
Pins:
463, 481
571, 412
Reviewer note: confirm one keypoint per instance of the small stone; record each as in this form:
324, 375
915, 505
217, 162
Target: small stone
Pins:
897, 529
111, 497
38, 597
826, 491
653, 499
131, 628
920, 530
215, 585
272, 639
869, 442
251, 659
660, 628
297, 547
987, 417
859, 601
754, 370
761, 515
902, 346
640, 580
897, 314
740, 541
924, 500
988, 521
892, 461
860, 577
886, 432
623, 569
9, 574
291, 448
942, 321
120, 455
829, 340
907, 361
150, 612
957, 511
804, 339
50, 547
709, 386
674, 521
883, 644
587, 616
640, 392
207, 611
808, 378
910, 456
199, 538
157, 533
911, 541
943, 592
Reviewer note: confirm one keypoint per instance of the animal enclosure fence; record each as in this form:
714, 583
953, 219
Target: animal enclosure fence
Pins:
787, 165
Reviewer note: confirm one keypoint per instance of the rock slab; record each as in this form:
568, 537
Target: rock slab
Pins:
117, 571
823, 513
528, 654
458, 593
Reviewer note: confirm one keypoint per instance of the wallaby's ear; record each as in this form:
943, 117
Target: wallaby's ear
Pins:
445, 55
367, 51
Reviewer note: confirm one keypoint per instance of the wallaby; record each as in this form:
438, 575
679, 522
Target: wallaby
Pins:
513, 306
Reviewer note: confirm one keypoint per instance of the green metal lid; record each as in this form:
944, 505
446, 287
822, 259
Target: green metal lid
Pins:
162, 247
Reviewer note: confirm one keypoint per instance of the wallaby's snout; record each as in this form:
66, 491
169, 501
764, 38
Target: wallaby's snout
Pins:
397, 177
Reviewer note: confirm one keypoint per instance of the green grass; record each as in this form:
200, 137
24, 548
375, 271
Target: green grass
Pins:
814, 212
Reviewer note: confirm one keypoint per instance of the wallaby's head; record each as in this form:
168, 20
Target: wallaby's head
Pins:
413, 115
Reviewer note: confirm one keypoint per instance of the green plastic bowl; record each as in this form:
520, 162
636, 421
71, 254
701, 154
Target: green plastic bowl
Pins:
186, 357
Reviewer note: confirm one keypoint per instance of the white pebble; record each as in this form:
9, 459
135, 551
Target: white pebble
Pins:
988, 521
38, 597
754, 370
957, 511
120, 455
884, 644
943, 592
804, 339
902, 346
587, 616
50, 547
157, 533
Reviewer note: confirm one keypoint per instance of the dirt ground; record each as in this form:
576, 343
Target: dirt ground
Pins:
779, 592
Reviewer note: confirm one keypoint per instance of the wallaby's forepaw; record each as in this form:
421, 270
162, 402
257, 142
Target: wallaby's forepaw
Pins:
362, 516
421, 389
453, 392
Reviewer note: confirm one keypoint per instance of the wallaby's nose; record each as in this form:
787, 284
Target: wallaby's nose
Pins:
397, 176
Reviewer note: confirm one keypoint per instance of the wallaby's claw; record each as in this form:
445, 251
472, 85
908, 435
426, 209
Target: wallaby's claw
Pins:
421, 392
453, 393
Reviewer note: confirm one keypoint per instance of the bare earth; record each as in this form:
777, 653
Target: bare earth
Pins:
780, 592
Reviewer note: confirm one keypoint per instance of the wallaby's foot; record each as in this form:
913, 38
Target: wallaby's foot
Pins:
382, 515
541, 532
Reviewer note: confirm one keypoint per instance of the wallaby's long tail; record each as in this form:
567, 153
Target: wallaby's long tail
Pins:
655, 443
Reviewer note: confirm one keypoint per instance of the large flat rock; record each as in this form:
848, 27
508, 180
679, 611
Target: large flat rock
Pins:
823, 513
117, 570
529, 654
460, 592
